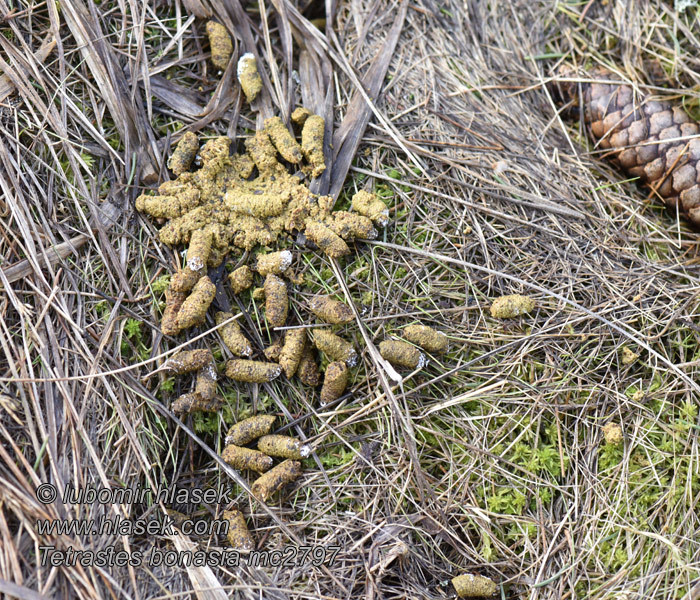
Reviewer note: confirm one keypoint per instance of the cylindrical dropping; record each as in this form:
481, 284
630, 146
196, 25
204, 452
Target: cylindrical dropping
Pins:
283, 446
262, 152
292, 351
178, 231
252, 371
188, 361
371, 206
300, 115
220, 44
351, 226
402, 354
205, 384
612, 432
250, 429
266, 485
514, 305
330, 310
215, 153
426, 337
334, 382
262, 206
248, 76
173, 303
169, 206
334, 347
312, 143
238, 533
244, 458
307, 371
273, 351
474, 586
193, 402
276, 301
241, 279
284, 142
160, 207
329, 243
184, 280
195, 307
199, 249
273, 262
183, 155
231, 334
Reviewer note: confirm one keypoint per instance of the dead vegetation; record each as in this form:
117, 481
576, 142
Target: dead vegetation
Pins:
492, 460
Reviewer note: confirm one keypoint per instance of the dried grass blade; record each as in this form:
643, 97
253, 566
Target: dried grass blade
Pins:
6, 85
348, 136
179, 98
100, 58
24, 267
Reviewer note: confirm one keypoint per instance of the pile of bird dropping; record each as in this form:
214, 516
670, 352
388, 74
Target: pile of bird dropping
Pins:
225, 205
260, 460
235, 202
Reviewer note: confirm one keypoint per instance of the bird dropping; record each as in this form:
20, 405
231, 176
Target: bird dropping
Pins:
402, 354
426, 337
244, 458
238, 534
334, 382
250, 429
252, 371
266, 485
283, 446
231, 334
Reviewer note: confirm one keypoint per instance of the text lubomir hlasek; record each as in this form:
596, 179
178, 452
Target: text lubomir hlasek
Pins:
142, 495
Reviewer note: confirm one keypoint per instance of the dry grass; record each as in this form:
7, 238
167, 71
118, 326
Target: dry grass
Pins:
492, 459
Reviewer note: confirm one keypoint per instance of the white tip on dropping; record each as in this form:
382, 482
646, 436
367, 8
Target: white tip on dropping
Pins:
172, 363
372, 234
241, 63
211, 372
285, 260
422, 361
351, 360
195, 263
276, 372
383, 219
304, 451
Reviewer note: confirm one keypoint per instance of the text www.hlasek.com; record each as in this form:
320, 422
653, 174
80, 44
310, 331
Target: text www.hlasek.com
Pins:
130, 527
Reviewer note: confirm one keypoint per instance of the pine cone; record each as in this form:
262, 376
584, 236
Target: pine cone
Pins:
627, 124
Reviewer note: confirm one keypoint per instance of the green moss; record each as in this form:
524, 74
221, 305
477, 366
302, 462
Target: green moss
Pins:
337, 457
519, 533
205, 422
102, 308
132, 345
167, 386
161, 284
132, 328
507, 501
